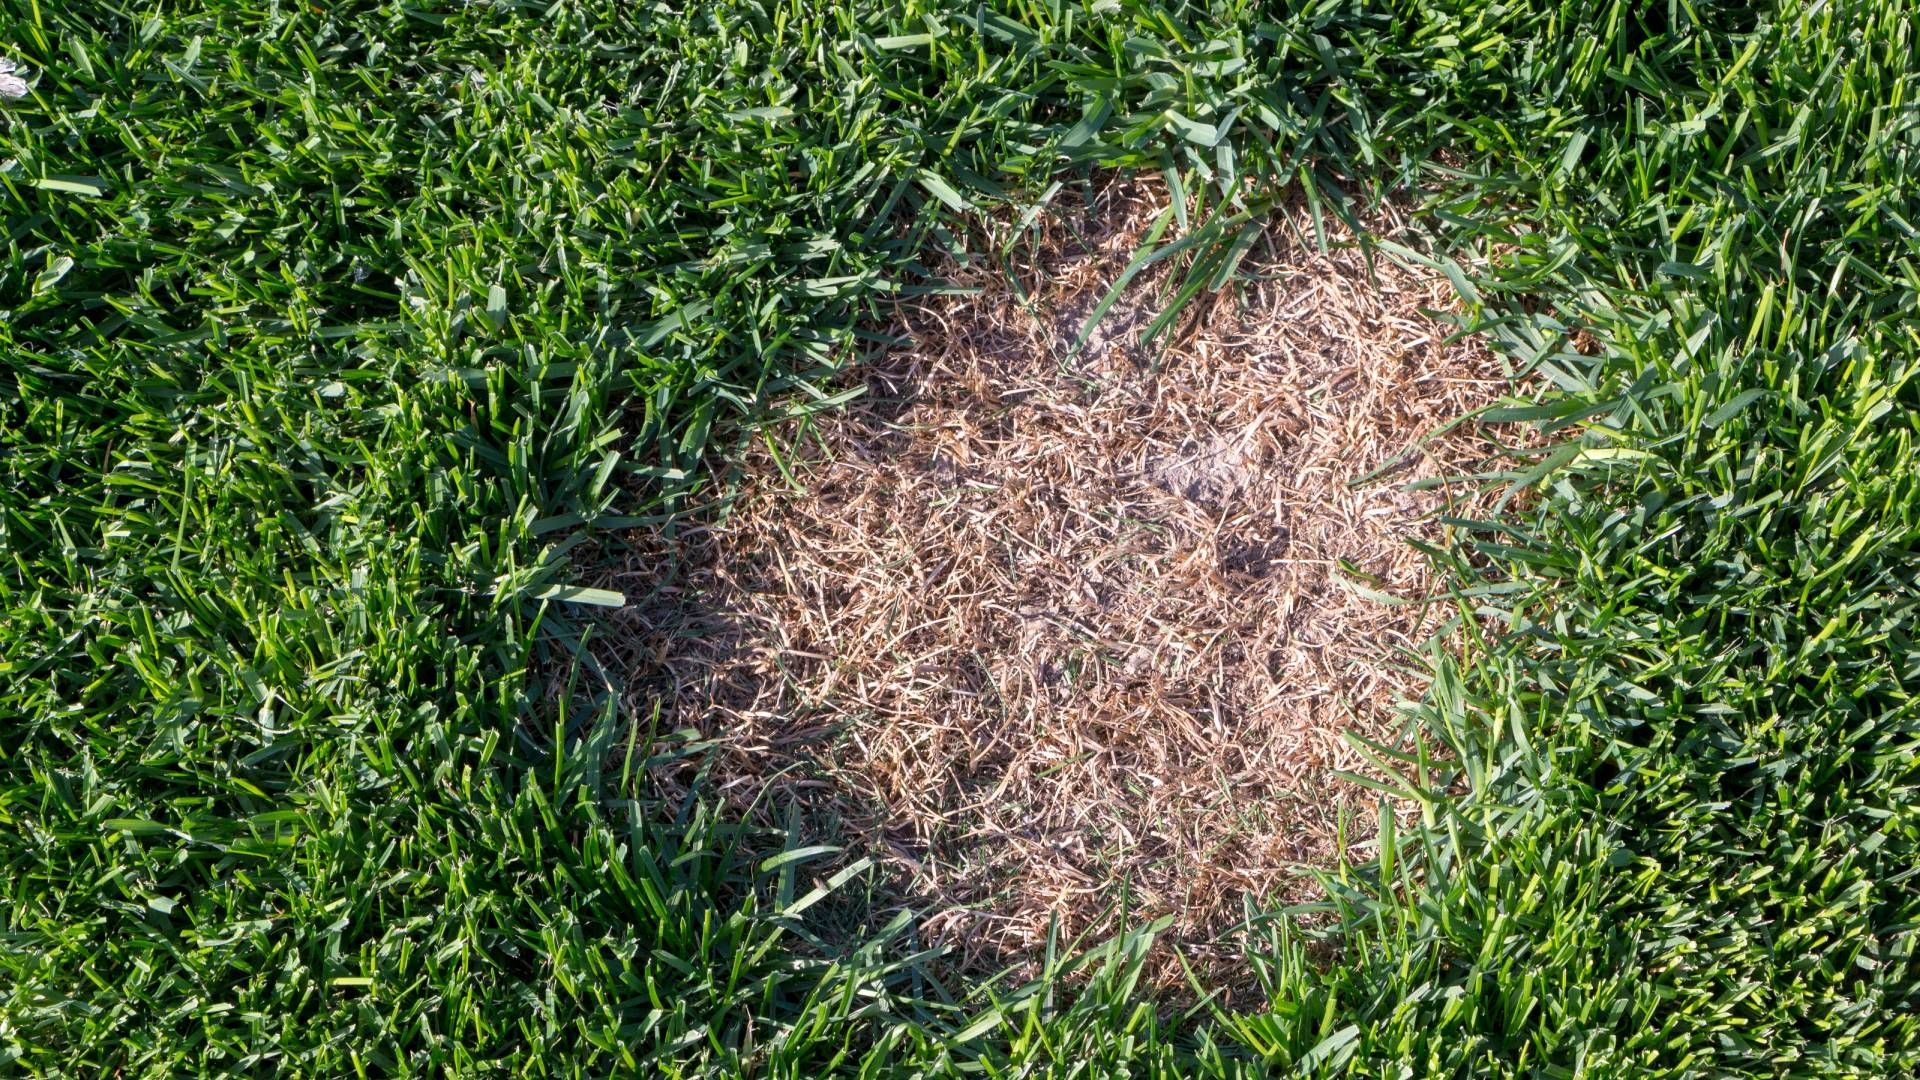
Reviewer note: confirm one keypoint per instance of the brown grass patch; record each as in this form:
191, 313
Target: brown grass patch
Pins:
1039, 625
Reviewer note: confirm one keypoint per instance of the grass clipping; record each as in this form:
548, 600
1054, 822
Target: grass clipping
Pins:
1039, 626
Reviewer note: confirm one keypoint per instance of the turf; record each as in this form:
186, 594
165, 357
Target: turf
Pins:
332, 332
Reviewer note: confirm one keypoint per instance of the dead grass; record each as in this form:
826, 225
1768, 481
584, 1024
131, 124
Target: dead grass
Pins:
1041, 625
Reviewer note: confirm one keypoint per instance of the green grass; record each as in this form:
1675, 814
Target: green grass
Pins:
331, 332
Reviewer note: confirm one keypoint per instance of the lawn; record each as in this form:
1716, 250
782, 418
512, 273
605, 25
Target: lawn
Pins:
340, 340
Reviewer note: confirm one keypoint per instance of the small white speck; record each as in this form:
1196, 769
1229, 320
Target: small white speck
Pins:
11, 86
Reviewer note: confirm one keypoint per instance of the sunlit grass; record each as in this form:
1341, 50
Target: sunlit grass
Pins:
331, 330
